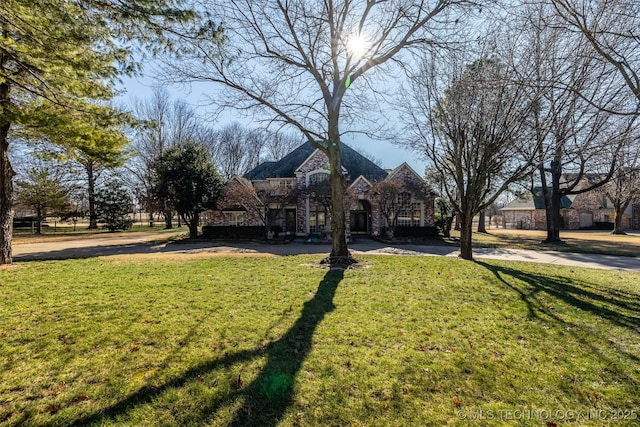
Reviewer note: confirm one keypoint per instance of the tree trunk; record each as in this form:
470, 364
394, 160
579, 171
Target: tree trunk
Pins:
482, 225
168, 219
617, 225
193, 225
6, 188
339, 251
91, 193
466, 232
39, 220
338, 219
447, 221
617, 222
552, 205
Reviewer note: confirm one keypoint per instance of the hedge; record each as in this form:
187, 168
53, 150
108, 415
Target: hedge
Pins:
599, 225
237, 232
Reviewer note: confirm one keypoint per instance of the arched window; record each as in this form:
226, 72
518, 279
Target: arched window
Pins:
318, 178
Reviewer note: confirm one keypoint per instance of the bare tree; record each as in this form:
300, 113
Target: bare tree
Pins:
386, 193
236, 149
573, 118
612, 29
168, 123
298, 63
624, 185
280, 144
444, 209
393, 197
473, 133
264, 203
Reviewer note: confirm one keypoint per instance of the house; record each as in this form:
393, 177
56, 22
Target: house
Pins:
293, 194
578, 211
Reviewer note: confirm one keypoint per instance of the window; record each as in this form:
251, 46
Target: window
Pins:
404, 200
317, 218
409, 217
318, 178
408, 213
235, 218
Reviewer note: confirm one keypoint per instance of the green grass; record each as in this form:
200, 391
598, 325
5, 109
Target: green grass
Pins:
266, 341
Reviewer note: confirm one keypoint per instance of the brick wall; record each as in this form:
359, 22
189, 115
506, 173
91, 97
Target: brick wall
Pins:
534, 219
589, 203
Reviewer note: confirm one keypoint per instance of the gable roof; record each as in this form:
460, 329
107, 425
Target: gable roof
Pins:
363, 179
405, 166
535, 200
242, 181
283, 168
355, 164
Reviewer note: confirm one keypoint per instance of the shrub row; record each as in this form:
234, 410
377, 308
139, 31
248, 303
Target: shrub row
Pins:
237, 232
599, 225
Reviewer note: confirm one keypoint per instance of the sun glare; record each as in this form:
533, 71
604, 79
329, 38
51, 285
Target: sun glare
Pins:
358, 45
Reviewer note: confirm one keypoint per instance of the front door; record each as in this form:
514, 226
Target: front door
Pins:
586, 219
290, 221
359, 222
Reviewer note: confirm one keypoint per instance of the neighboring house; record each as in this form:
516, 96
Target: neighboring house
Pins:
293, 193
578, 211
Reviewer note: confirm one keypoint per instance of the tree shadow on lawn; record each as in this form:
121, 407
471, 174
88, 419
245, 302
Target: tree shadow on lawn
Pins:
266, 398
617, 307
571, 244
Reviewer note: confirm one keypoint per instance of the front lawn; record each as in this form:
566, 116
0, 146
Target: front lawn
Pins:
277, 340
577, 241
62, 234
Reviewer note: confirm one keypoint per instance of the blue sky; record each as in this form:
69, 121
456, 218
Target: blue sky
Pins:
387, 153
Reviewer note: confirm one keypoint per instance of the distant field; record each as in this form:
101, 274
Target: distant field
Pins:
280, 341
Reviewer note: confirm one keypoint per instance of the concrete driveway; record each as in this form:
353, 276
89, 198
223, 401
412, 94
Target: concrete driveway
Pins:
142, 244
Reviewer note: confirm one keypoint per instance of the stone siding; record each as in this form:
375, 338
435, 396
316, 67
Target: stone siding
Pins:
318, 160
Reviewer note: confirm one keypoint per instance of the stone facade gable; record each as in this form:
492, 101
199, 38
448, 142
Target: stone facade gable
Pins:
407, 175
360, 186
317, 160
